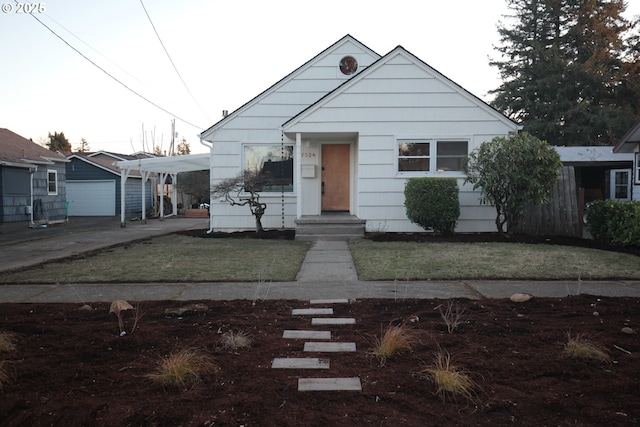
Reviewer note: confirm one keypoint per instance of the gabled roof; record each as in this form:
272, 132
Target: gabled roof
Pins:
106, 163
287, 78
18, 151
630, 140
399, 50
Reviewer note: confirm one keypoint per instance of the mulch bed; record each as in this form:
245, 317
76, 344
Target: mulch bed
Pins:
71, 368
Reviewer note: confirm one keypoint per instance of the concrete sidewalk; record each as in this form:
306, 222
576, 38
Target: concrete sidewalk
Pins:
327, 272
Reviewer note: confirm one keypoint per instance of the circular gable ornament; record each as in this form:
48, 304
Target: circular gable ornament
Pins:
348, 65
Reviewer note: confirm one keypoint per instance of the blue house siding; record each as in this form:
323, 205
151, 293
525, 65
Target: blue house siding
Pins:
16, 194
49, 207
79, 170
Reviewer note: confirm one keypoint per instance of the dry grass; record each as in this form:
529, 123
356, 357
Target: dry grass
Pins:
7, 341
395, 339
579, 347
450, 381
235, 340
184, 367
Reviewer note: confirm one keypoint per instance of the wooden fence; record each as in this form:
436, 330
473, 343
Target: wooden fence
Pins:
561, 215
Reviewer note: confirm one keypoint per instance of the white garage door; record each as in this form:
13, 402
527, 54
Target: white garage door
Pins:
91, 198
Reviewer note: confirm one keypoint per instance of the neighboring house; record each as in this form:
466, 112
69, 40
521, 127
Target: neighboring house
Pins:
32, 181
630, 143
600, 172
93, 185
344, 132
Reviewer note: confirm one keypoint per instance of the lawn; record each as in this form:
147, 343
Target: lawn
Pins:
175, 258
178, 258
513, 261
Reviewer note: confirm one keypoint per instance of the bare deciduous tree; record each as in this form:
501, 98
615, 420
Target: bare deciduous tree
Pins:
244, 190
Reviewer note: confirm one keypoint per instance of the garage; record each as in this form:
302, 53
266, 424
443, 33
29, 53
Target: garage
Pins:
91, 198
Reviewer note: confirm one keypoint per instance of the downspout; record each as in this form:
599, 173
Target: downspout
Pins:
31, 172
210, 147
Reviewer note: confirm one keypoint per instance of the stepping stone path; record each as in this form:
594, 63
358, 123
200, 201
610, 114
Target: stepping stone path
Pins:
319, 384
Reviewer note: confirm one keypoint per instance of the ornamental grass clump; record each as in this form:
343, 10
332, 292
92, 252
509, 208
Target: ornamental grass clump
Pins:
5, 376
184, 367
7, 342
235, 340
451, 382
395, 339
579, 347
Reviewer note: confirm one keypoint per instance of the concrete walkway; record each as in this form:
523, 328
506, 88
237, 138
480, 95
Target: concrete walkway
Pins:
326, 273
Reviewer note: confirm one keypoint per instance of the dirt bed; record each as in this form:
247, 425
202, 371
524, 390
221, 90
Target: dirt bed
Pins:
71, 368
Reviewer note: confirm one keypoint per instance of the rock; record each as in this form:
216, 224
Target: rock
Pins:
627, 330
520, 297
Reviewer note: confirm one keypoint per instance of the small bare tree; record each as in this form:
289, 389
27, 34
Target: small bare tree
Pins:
244, 190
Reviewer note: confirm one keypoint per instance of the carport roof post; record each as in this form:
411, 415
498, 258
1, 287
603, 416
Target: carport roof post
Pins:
160, 165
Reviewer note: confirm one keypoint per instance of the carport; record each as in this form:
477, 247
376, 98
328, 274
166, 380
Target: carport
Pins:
163, 167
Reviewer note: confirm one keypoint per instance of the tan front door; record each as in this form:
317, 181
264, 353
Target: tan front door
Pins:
335, 177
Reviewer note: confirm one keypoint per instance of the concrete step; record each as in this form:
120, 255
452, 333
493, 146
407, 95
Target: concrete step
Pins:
333, 321
299, 363
306, 335
330, 347
329, 384
329, 227
308, 311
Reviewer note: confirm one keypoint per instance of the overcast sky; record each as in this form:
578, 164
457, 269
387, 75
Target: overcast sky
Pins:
226, 52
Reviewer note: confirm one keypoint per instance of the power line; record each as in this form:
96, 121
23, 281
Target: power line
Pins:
114, 78
171, 60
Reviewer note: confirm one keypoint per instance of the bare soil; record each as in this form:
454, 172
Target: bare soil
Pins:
71, 368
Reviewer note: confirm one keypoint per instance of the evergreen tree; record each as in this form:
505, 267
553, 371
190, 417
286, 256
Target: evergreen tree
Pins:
58, 142
565, 66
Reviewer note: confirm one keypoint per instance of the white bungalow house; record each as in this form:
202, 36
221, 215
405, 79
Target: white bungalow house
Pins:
344, 132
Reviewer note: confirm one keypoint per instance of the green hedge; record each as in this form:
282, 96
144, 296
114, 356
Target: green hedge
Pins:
432, 203
615, 221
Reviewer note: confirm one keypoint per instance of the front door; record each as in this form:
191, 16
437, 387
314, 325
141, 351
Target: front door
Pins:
335, 177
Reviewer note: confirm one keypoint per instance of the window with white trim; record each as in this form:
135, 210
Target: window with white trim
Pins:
429, 155
637, 168
52, 182
273, 164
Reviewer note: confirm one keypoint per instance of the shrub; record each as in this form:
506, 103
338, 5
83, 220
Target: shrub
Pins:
615, 221
183, 367
394, 340
432, 203
453, 315
511, 173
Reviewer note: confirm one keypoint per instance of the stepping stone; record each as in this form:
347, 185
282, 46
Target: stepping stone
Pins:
329, 384
332, 347
299, 363
333, 321
302, 311
329, 301
307, 335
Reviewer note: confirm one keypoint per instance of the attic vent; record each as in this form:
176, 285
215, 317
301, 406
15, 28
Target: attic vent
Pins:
225, 113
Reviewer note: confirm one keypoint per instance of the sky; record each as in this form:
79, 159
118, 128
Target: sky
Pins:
225, 53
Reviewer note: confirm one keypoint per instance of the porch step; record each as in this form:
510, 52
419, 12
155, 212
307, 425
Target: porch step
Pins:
329, 227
